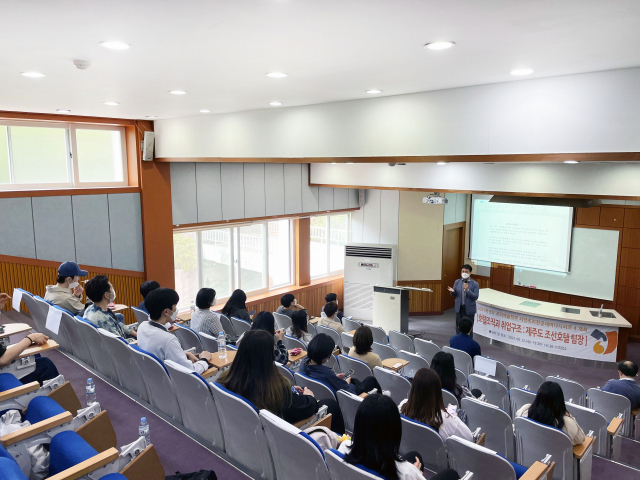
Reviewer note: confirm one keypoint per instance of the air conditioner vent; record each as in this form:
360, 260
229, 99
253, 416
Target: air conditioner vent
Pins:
371, 252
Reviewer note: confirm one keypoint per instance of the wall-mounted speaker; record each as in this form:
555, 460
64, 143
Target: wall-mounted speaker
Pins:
147, 146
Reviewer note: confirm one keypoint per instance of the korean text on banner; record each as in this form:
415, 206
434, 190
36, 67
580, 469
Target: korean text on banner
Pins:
578, 340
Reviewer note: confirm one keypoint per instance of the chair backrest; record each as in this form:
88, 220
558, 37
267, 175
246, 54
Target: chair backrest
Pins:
44, 310
35, 310
349, 403
244, 437
81, 350
416, 362
425, 348
199, 412
589, 419
99, 351
209, 343
611, 405
401, 341
311, 329
520, 377
162, 394
62, 336
227, 326
379, 335
495, 424
287, 372
320, 389
461, 378
360, 369
240, 326
282, 321
295, 454
333, 364
495, 393
341, 470
347, 342
465, 456
398, 385
129, 375
141, 315
462, 360
572, 390
535, 440
350, 324
188, 338
519, 397
449, 398
332, 333
501, 371
426, 441
292, 342
383, 351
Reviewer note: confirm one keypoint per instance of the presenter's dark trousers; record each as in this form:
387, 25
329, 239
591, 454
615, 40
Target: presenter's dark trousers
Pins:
463, 313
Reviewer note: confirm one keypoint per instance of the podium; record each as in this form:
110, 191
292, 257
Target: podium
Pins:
391, 307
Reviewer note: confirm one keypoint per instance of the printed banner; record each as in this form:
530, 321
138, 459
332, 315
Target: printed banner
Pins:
578, 340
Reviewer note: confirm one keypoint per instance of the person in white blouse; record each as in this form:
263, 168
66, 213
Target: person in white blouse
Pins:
154, 338
425, 405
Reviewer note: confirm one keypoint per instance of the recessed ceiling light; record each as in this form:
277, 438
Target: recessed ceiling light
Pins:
111, 104
441, 163
62, 110
32, 74
275, 104
374, 91
277, 75
521, 71
439, 45
178, 92
571, 161
152, 116
115, 45
205, 111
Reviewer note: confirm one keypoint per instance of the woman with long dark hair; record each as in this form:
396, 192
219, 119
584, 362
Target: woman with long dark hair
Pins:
265, 321
254, 376
299, 327
549, 408
444, 365
235, 306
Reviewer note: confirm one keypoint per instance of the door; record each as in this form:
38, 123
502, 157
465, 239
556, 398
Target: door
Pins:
451, 263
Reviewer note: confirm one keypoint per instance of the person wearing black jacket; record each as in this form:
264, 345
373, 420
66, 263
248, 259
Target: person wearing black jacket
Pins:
254, 376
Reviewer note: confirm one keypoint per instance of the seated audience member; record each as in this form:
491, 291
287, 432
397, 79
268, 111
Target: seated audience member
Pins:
463, 340
548, 408
361, 350
319, 351
265, 321
443, 364
145, 288
45, 368
626, 385
254, 376
153, 335
425, 405
333, 298
203, 319
67, 293
299, 327
235, 306
289, 304
101, 293
330, 310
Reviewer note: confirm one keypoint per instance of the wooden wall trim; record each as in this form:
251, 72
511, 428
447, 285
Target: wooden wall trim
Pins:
424, 303
51, 117
51, 264
302, 257
67, 191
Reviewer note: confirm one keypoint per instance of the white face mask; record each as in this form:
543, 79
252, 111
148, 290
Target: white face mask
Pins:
214, 301
465, 275
114, 296
73, 284
174, 315
295, 302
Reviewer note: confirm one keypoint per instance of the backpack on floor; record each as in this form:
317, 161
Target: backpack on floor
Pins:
201, 475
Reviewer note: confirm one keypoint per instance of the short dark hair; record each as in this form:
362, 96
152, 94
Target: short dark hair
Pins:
330, 297
467, 266
148, 286
61, 279
320, 347
465, 324
330, 309
628, 368
286, 300
362, 340
159, 300
97, 287
204, 298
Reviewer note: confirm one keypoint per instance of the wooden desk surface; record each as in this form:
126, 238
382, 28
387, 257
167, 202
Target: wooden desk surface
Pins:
222, 363
352, 332
300, 356
614, 426
50, 345
534, 471
391, 362
209, 372
580, 450
118, 307
14, 328
185, 316
313, 321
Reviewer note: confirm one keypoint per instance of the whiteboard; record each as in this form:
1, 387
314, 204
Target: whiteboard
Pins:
592, 269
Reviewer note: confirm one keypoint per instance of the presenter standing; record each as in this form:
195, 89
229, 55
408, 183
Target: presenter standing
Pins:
466, 291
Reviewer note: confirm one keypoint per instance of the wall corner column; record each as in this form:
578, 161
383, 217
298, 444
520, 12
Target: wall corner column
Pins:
302, 233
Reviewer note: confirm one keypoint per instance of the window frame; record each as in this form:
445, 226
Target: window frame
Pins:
331, 273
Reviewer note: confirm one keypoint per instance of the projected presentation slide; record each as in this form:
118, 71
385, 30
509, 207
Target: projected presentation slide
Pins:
534, 236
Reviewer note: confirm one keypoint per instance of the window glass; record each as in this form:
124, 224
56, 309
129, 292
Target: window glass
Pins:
339, 228
217, 261
4, 156
252, 258
39, 154
318, 248
99, 155
279, 253
185, 258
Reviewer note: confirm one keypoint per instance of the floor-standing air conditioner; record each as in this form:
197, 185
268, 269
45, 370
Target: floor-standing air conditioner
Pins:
366, 265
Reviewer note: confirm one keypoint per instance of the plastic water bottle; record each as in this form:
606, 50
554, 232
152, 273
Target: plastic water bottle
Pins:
222, 346
143, 430
192, 309
91, 392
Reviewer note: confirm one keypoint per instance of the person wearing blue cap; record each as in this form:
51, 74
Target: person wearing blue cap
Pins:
67, 293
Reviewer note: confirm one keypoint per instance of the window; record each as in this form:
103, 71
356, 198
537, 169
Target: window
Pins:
328, 236
61, 155
255, 258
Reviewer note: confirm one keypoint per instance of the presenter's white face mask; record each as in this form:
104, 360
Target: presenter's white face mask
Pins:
465, 275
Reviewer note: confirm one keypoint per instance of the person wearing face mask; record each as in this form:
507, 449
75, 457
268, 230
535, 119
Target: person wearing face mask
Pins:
203, 319
67, 293
466, 291
101, 293
154, 338
289, 305
332, 298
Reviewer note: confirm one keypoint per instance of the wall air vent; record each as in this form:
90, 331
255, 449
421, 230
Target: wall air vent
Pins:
369, 252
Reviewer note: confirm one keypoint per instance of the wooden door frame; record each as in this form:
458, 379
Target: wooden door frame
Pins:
461, 255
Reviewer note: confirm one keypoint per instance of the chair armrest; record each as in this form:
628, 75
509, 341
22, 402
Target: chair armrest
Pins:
635, 412
51, 344
363, 395
323, 422
209, 372
614, 426
31, 430
21, 390
537, 470
88, 466
580, 450
481, 440
145, 466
